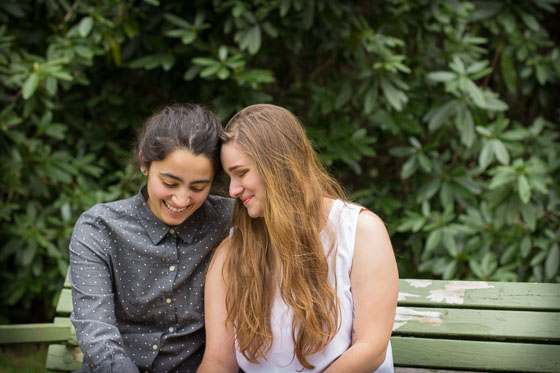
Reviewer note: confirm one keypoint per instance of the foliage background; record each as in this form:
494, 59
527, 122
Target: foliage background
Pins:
439, 115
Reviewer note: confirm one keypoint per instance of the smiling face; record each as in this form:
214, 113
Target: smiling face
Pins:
245, 181
178, 186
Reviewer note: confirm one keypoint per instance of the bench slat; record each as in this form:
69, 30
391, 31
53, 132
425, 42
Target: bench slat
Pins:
489, 356
73, 339
418, 370
438, 293
476, 323
32, 333
479, 294
67, 280
63, 358
64, 306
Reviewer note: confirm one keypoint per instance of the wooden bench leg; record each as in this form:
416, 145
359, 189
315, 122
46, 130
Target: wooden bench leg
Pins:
63, 358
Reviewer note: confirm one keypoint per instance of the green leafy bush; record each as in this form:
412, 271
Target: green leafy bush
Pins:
441, 116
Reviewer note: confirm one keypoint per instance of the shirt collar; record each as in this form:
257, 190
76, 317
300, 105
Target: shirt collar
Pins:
157, 230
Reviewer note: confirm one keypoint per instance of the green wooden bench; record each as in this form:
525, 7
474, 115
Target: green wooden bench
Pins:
63, 354
478, 326
440, 326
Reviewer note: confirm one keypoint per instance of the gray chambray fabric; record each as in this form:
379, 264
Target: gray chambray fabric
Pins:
137, 285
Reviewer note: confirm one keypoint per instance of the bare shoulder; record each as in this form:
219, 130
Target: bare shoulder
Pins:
371, 235
370, 224
368, 219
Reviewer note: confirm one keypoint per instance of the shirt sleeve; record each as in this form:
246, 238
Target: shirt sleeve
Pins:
93, 299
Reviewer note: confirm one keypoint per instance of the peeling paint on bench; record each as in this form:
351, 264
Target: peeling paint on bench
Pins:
404, 315
454, 291
419, 283
404, 296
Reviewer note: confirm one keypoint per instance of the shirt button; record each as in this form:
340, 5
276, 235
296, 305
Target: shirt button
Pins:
171, 268
154, 347
172, 231
171, 329
168, 300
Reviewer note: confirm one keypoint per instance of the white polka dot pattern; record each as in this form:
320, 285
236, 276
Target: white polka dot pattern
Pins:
137, 284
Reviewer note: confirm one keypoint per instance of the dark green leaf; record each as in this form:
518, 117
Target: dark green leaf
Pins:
475, 94
465, 123
428, 190
177, 21
424, 162
552, 262
500, 151
508, 72
254, 39
409, 168
441, 76
395, 96
450, 270
441, 115
30, 85
434, 239
85, 27
524, 188
486, 155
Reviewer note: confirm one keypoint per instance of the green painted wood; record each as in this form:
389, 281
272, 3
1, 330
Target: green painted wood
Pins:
420, 370
31, 333
479, 294
63, 358
477, 355
67, 280
477, 323
457, 313
64, 306
72, 340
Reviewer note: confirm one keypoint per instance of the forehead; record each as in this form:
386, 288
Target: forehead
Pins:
233, 155
184, 164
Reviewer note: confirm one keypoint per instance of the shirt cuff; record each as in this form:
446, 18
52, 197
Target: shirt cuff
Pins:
118, 366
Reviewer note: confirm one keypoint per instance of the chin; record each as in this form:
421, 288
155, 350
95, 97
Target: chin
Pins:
175, 220
255, 215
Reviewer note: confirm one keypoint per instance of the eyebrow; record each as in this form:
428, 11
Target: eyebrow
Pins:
233, 168
175, 177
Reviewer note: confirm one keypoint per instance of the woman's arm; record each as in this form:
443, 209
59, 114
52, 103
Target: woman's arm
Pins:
375, 284
219, 355
93, 300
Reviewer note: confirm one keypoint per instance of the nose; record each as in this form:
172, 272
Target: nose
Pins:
235, 189
181, 198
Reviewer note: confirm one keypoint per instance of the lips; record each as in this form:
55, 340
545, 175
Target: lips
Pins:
246, 200
173, 209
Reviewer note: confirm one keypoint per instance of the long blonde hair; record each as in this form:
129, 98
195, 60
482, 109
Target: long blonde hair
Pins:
282, 252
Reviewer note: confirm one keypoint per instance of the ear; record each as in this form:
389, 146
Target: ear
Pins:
143, 167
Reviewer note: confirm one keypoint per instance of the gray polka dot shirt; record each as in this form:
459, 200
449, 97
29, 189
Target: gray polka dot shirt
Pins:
137, 285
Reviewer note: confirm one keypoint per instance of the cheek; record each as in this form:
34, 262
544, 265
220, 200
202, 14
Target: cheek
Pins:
155, 190
260, 187
199, 198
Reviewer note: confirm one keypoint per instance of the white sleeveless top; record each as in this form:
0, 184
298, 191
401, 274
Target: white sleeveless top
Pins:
342, 221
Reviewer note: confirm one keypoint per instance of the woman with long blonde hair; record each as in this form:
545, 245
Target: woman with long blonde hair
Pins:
306, 281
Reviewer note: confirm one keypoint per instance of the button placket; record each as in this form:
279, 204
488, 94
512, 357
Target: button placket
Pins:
171, 263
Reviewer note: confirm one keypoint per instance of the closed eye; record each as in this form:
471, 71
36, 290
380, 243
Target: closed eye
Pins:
197, 189
169, 185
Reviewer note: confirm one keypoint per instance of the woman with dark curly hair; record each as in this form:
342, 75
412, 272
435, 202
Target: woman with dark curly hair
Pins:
137, 265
